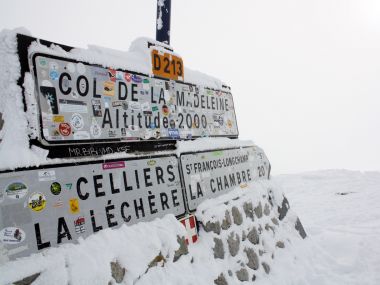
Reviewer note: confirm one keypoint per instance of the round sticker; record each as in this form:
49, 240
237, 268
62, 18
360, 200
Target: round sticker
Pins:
165, 110
12, 235
37, 202
64, 129
77, 122
42, 62
81, 68
16, 190
55, 188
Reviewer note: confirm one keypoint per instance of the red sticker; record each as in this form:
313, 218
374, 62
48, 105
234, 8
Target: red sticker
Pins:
64, 129
128, 77
112, 74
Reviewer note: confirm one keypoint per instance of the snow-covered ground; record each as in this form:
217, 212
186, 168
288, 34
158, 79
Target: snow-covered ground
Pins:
340, 211
338, 208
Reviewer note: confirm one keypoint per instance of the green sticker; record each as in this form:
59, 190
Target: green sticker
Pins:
55, 188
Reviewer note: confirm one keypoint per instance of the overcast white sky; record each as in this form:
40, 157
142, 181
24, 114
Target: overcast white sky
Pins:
305, 75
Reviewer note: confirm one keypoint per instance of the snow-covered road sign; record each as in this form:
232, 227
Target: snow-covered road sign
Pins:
47, 206
82, 102
210, 174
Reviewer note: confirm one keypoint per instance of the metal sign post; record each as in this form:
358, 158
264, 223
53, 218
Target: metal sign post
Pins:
163, 21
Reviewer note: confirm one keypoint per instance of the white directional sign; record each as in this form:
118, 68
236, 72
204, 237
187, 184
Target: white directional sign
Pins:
80, 102
45, 207
213, 173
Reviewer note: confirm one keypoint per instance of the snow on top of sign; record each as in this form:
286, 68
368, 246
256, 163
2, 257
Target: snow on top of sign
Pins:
136, 59
202, 144
15, 151
14, 146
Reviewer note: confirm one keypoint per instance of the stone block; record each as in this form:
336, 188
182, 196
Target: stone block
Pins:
283, 210
248, 210
300, 229
253, 259
266, 267
259, 210
233, 241
226, 223
221, 280
266, 210
242, 275
218, 248
117, 271
253, 236
183, 250
28, 280
212, 227
236, 215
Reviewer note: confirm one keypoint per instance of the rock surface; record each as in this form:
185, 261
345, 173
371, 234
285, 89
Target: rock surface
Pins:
238, 219
218, 248
117, 271
242, 275
233, 243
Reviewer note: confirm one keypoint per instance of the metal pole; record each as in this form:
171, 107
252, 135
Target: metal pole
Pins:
163, 21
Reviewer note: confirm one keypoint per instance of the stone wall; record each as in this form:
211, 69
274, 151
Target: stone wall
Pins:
240, 235
247, 232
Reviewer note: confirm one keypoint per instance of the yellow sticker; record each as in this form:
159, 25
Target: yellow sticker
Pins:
58, 119
151, 162
74, 206
109, 88
37, 202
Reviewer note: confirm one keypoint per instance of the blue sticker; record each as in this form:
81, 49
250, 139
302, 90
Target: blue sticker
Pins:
53, 75
136, 78
173, 133
152, 125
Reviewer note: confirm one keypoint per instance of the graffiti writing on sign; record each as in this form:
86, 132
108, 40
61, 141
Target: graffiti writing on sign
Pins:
90, 103
95, 151
86, 198
210, 174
